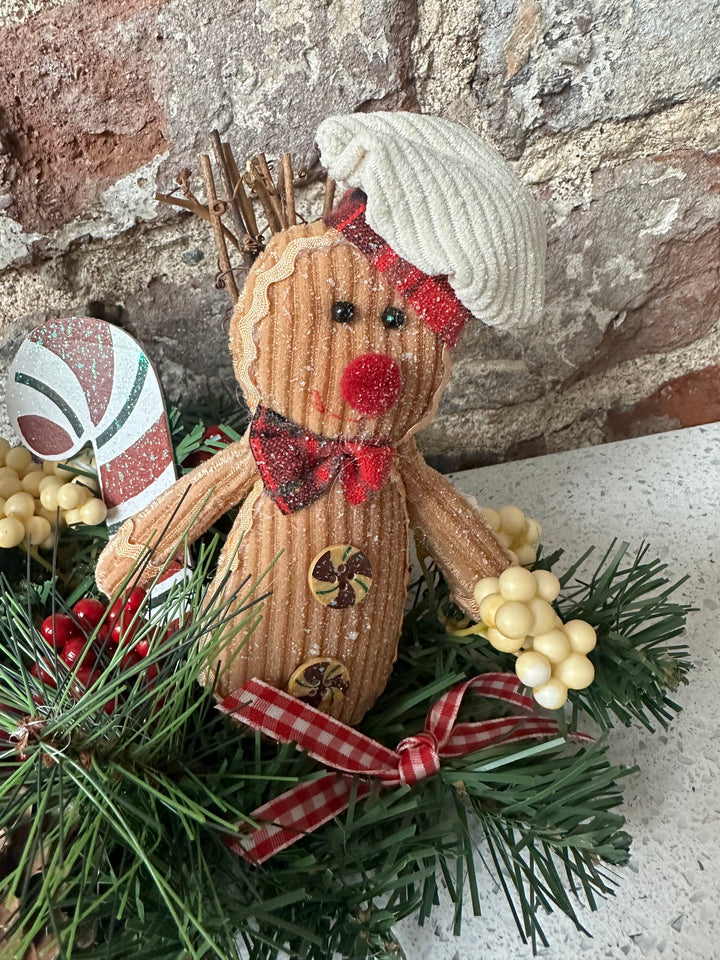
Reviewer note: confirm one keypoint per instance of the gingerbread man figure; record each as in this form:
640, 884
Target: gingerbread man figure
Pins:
341, 343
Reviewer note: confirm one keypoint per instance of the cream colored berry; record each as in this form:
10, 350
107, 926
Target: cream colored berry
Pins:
9, 486
70, 496
576, 672
544, 617
90, 483
50, 515
548, 585
551, 695
38, 530
533, 532
503, 539
503, 643
517, 584
8, 472
48, 468
73, 517
489, 607
12, 532
532, 668
50, 481
582, 636
514, 619
31, 482
20, 505
492, 518
512, 521
49, 496
18, 458
93, 512
485, 587
4, 447
525, 554
553, 645
49, 542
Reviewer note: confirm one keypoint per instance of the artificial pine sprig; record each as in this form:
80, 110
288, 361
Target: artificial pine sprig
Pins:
627, 599
111, 828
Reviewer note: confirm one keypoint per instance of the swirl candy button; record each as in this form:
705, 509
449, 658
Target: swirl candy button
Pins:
320, 682
340, 576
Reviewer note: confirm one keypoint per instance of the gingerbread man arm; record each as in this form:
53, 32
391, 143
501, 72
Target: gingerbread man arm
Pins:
449, 528
184, 511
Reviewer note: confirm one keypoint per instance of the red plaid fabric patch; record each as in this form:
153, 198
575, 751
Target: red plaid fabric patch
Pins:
296, 466
432, 297
304, 808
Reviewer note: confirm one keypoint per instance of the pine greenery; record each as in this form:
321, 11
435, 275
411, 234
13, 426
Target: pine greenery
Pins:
113, 821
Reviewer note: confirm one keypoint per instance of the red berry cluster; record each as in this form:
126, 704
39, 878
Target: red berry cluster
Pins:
92, 634
212, 433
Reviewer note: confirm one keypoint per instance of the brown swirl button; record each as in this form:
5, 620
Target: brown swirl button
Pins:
320, 682
340, 576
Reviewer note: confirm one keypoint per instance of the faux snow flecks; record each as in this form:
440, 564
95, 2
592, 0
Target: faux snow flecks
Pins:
342, 359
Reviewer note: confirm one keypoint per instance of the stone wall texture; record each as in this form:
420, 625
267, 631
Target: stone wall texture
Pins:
609, 111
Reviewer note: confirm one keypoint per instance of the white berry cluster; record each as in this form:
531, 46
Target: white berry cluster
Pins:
552, 657
516, 532
36, 498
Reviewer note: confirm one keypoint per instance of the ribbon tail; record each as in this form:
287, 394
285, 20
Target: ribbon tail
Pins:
289, 720
295, 813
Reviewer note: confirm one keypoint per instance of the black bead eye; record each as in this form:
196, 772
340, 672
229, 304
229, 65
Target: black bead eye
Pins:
343, 311
393, 318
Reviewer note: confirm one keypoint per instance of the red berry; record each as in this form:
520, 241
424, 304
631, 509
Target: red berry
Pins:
152, 672
47, 678
213, 433
58, 630
109, 707
141, 648
89, 612
136, 599
87, 676
123, 630
124, 619
75, 649
130, 660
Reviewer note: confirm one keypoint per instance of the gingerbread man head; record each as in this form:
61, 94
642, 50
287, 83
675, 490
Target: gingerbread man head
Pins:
345, 324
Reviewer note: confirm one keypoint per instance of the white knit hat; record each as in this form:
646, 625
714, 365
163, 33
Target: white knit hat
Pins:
447, 203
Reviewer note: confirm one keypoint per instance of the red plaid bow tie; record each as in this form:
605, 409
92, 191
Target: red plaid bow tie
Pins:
288, 817
296, 466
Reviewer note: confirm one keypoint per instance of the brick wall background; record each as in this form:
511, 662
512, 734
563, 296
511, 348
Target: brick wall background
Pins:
609, 111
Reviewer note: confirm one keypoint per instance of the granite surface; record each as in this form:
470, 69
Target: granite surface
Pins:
663, 489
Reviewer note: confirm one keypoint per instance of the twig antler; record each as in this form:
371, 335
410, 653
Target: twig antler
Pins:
276, 197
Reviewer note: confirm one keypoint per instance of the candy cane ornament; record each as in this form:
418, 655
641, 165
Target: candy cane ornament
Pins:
79, 380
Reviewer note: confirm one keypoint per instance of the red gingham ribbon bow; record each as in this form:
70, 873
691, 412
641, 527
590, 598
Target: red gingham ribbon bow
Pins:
309, 805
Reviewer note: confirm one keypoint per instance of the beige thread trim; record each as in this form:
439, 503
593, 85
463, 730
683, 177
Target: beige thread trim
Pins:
243, 522
261, 305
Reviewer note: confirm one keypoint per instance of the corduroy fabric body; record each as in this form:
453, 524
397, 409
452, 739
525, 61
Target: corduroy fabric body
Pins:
294, 626
449, 528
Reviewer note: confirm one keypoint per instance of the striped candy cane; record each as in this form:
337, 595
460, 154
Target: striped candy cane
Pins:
78, 380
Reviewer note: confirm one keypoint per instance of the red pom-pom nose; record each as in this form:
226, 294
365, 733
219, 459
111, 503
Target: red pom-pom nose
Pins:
371, 383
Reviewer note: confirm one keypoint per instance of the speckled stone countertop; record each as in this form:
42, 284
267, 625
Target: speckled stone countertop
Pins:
665, 490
